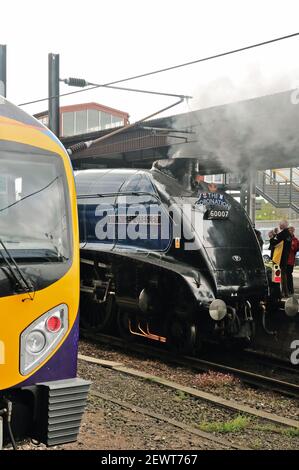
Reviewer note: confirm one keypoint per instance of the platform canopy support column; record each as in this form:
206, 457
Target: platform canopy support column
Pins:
54, 124
3, 70
251, 195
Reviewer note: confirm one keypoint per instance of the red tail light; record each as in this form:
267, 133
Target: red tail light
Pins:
53, 324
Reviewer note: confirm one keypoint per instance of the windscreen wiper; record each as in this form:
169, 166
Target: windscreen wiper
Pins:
118, 193
23, 284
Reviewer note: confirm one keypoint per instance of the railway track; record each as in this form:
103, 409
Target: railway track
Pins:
158, 416
289, 388
211, 399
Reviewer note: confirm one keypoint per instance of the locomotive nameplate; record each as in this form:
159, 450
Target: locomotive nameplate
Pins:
215, 204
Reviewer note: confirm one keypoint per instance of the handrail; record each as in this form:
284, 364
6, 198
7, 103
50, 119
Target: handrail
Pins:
284, 193
273, 181
295, 184
282, 175
287, 181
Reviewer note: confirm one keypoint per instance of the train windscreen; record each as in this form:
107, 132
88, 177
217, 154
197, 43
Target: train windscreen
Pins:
34, 206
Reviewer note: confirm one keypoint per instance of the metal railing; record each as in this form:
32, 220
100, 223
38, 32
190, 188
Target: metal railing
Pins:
279, 193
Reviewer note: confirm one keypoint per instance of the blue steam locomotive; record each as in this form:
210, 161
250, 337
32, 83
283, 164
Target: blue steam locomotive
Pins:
172, 262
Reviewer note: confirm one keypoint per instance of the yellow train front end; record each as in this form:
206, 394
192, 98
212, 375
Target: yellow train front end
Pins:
40, 395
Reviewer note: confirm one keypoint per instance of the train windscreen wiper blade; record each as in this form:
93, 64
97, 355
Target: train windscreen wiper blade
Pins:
117, 193
23, 284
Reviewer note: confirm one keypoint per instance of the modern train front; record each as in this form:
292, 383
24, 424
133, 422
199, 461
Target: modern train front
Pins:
220, 241
40, 396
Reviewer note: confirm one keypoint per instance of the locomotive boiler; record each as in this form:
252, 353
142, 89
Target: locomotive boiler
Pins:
161, 259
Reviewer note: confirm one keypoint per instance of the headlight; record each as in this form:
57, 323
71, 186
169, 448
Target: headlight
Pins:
291, 307
41, 337
218, 309
35, 342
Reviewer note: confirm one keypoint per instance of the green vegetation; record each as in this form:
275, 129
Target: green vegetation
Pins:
242, 422
180, 395
291, 432
234, 425
266, 211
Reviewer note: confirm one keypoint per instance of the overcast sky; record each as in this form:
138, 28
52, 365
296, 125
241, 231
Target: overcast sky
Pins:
103, 41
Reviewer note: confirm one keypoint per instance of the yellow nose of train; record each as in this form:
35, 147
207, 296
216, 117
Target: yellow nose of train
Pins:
39, 273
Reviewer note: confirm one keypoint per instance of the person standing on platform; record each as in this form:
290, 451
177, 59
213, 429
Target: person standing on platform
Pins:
259, 237
285, 237
291, 260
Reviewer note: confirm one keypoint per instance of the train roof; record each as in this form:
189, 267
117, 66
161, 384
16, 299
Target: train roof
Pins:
123, 180
11, 111
105, 181
17, 125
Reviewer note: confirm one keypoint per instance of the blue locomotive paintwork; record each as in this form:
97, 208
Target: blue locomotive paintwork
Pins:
123, 213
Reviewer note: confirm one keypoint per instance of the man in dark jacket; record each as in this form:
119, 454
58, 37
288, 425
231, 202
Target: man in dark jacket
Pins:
291, 259
285, 236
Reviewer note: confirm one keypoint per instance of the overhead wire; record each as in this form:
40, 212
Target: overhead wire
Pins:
166, 69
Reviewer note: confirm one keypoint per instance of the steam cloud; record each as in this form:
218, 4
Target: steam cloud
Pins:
248, 135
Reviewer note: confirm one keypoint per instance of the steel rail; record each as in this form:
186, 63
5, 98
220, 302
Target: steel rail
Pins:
172, 422
211, 398
189, 362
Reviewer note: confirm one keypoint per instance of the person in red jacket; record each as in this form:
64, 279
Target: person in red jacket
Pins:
291, 260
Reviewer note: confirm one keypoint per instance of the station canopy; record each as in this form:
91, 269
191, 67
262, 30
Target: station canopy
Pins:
258, 134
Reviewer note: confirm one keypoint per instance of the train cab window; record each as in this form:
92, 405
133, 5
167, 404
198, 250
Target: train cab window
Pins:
34, 206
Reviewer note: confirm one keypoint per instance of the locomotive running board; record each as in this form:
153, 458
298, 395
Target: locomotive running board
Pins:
146, 334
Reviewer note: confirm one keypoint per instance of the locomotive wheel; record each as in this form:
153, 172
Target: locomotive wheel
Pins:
96, 317
182, 335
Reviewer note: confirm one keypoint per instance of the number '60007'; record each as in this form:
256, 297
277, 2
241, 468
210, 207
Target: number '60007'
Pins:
219, 214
